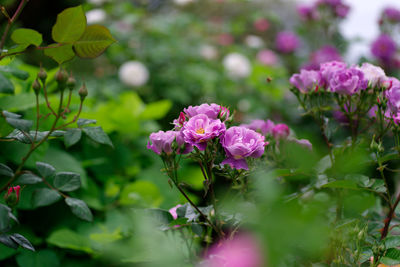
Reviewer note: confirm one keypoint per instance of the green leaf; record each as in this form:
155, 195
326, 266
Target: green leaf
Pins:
392, 242
60, 54
44, 197
5, 170
4, 217
70, 25
6, 252
18, 102
197, 229
348, 184
141, 193
6, 240
156, 110
22, 241
65, 238
93, 42
83, 122
17, 73
187, 211
67, 181
38, 259
46, 170
20, 124
98, 135
27, 36
6, 86
72, 136
79, 208
392, 257
11, 115
28, 178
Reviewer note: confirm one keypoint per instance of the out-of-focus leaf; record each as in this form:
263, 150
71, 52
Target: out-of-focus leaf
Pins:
65, 238
20, 124
6, 86
83, 122
5, 170
28, 178
140, 193
40, 258
156, 110
26, 36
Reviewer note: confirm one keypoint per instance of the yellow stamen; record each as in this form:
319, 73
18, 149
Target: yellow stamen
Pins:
200, 131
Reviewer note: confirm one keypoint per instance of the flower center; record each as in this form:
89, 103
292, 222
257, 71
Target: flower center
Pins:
200, 131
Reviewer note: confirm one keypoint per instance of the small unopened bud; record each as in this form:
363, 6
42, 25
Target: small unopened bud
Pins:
61, 76
12, 195
83, 92
71, 82
42, 75
36, 86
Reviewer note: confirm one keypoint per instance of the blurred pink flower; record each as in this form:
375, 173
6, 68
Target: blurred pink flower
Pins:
173, 211
267, 57
225, 39
261, 25
242, 251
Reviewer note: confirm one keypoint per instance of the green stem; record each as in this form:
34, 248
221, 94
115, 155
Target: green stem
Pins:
10, 22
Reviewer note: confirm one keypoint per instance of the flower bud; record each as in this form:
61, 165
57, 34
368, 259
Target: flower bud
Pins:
36, 86
12, 195
83, 92
71, 82
42, 75
61, 76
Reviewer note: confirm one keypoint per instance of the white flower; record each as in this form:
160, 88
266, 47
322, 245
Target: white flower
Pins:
208, 52
183, 2
133, 73
374, 74
254, 41
237, 65
94, 16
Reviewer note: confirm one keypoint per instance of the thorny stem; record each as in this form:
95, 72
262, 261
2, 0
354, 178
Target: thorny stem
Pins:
10, 22
389, 218
381, 168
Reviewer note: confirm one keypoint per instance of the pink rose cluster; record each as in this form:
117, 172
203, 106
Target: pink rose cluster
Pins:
313, 12
337, 77
197, 125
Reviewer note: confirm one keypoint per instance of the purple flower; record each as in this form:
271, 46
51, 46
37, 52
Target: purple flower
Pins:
374, 74
307, 80
265, 127
390, 82
241, 251
180, 121
173, 211
200, 128
327, 69
393, 97
342, 10
211, 110
392, 14
347, 81
287, 42
383, 48
280, 131
239, 143
162, 142
306, 12
324, 54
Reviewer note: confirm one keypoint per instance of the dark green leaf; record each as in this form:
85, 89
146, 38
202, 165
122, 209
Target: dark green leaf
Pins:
162, 217
44, 197
4, 217
6, 86
6, 240
18, 102
28, 178
10, 115
46, 170
72, 136
79, 208
70, 25
5, 170
26, 36
18, 135
22, 241
98, 135
60, 54
348, 184
187, 211
392, 257
93, 42
20, 124
67, 181
197, 229
40, 258
83, 122
392, 242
